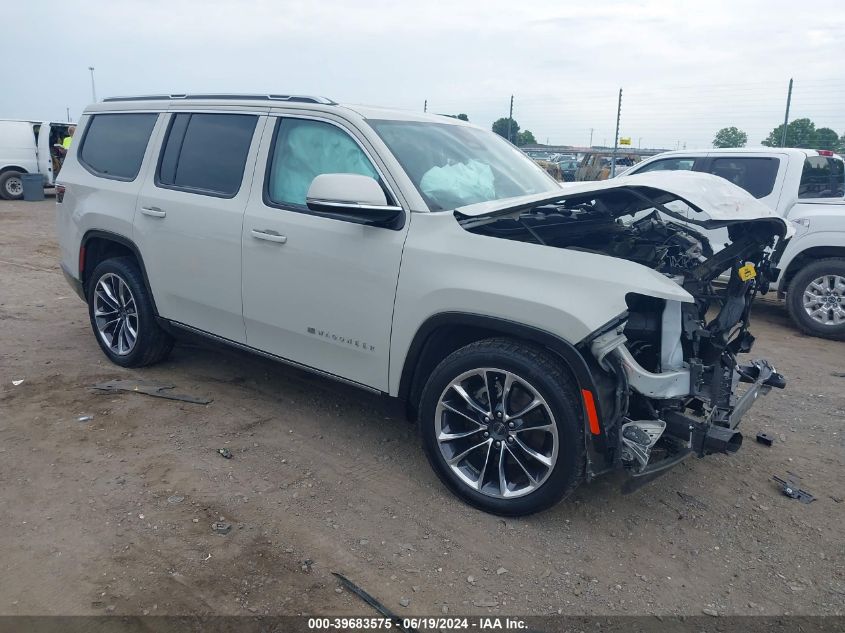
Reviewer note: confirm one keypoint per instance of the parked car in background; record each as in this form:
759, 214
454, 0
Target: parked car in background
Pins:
536, 338
29, 147
805, 186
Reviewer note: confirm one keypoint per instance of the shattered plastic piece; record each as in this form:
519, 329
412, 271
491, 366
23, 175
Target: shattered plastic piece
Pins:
790, 489
220, 527
225, 452
157, 390
85, 418
17, 382
765, 438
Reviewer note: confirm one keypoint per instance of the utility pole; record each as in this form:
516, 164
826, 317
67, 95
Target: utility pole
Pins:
616, 138
786, 116
591, 136
68, 114
425, 105
510, 120
93, 89
640, 143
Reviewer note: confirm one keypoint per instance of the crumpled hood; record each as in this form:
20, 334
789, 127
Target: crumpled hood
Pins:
703, 199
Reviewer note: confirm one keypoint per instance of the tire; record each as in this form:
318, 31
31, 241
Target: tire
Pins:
115, 286
11, 185
532, 374
824, 279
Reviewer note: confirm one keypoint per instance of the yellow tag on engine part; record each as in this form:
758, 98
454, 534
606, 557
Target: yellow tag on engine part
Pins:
747, 272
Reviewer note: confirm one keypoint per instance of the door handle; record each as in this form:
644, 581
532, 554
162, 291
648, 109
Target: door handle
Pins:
269, 235
153, 212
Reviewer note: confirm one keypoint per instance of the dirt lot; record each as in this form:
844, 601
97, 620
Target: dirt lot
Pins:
114, 514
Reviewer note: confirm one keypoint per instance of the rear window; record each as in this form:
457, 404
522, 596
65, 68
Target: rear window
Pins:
756, 175
114, 144
823, 177
206, 153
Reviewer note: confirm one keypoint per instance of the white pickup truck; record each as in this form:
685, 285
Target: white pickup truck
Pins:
28, 147
805, 186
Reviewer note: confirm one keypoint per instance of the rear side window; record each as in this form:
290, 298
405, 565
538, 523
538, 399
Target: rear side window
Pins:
756, 175
822, 177
206, 153
668, 164
114, 144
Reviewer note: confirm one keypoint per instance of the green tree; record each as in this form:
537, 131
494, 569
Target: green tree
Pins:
525, 138
799, 133
730, 137
500, 127
826, 139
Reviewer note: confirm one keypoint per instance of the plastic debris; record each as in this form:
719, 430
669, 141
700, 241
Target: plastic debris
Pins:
175, 499
85, 418
789, 487
765, 438
17, 382
225, 452
221, 527
157, 390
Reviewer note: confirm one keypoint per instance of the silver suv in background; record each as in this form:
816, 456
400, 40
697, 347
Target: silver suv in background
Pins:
538, 336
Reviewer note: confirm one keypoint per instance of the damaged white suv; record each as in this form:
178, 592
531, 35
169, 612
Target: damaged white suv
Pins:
538, 335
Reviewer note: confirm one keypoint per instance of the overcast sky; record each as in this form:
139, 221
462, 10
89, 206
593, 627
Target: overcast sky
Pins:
687, 68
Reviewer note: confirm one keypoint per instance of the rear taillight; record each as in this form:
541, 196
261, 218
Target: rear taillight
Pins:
60, 193
824, 152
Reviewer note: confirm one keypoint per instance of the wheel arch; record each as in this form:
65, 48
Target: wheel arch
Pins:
6, 168
442, 334
807, 256
97, 246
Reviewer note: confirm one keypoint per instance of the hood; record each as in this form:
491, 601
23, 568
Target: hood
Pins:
703, 199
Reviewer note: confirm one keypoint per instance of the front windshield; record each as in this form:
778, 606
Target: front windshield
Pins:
455, 165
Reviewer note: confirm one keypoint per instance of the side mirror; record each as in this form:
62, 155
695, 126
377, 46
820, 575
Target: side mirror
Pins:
351, 197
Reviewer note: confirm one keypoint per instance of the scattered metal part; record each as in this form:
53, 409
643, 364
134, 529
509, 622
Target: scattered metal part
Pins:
225, 452
765, 438
85, 418
790, 489
157, 390
221, 527
375, 604
175, 499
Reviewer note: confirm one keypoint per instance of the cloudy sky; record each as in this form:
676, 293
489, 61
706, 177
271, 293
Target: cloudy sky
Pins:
686, 68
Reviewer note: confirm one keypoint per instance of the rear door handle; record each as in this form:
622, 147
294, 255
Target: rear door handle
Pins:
153, 212
270, 235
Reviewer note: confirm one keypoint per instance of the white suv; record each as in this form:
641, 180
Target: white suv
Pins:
538, 335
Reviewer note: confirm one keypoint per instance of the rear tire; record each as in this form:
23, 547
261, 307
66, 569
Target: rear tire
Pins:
815, 298
122, 315
11, 185
523, 449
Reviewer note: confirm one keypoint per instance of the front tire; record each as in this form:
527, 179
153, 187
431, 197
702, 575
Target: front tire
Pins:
816, 298
122, 315
11, 185
502, 427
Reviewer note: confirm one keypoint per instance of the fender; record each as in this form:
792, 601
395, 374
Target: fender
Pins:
599, 457
823, 244
123, 241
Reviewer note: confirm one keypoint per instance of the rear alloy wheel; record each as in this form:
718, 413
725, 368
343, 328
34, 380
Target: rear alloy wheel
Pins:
501, 427
11, 185
122, 315
816, 298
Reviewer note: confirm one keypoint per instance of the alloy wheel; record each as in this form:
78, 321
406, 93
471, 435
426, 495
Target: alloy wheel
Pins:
496, 433
115, 314
824, 300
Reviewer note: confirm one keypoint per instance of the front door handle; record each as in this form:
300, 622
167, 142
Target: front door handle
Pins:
270, 235
153, 212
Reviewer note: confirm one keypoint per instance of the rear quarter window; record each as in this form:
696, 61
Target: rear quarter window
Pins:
114, 144
822, 177
756, 175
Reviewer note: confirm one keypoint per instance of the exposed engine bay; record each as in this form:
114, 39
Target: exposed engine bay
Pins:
667, 371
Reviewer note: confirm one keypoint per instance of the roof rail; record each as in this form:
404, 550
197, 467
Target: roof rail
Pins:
216, 96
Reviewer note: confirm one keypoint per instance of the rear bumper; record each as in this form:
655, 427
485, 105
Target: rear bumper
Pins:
74, 283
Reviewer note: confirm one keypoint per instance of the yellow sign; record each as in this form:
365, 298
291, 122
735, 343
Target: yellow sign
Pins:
625, 140
747, 272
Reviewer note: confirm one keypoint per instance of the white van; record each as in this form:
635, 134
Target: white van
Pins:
27, 147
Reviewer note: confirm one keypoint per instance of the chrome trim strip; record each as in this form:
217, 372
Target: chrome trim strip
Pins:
274, 357
353, 205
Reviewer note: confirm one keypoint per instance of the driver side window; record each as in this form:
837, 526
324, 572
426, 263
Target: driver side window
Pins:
302, 150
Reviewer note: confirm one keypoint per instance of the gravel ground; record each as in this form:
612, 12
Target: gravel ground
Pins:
114, 514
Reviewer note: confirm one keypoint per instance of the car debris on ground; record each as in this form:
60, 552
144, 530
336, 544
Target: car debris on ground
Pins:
225, 452
157, 390
790, 489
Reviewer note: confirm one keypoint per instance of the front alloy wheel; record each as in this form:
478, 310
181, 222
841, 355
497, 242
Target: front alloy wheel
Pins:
496, 432
502, 426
